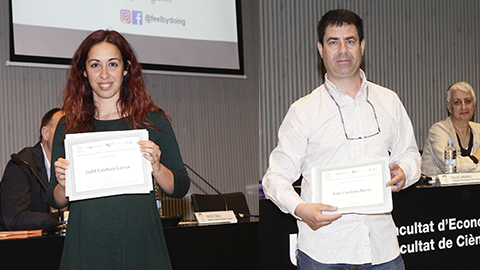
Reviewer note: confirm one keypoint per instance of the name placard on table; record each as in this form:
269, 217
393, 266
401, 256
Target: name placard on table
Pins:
215, 217
459, 178
106, 164
358, 187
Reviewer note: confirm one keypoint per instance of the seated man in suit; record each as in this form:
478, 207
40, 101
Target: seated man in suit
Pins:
23, 202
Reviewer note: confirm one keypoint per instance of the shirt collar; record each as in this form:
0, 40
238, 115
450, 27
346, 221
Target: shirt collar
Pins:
337, 93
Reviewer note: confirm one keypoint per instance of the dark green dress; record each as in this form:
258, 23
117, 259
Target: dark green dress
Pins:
124, 231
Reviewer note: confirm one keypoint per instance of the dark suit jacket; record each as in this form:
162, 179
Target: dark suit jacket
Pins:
23, 203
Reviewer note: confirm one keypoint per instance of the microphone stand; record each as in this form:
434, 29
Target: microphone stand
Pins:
18, 160
206, 182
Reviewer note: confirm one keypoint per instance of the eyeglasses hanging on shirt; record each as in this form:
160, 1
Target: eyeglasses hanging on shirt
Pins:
343, 121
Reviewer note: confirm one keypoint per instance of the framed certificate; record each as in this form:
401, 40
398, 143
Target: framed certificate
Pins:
355, 187
106, 164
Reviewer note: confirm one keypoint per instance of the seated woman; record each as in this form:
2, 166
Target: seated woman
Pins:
457, 127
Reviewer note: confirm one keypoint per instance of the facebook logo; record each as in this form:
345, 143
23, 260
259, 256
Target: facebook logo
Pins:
137, 17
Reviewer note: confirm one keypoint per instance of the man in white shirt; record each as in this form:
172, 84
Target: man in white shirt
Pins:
345, 120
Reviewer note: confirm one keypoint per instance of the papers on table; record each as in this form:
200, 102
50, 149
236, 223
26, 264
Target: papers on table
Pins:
105, 164
354, 188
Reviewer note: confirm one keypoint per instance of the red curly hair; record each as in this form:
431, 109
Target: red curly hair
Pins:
78, 103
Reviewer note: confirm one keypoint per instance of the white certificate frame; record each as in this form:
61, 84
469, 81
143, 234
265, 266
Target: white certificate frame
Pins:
380, 200
122, 145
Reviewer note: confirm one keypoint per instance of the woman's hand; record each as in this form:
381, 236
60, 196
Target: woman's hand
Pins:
61, 166
152, 153
162, 174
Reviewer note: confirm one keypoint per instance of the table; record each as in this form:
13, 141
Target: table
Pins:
275, 230
430, 221
431, 226
227, 246
224, 246
31, 253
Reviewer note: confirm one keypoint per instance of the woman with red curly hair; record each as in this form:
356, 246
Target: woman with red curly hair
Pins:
105, 91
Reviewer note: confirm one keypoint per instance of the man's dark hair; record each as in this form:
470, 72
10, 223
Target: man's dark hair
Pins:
46, 119
338, 18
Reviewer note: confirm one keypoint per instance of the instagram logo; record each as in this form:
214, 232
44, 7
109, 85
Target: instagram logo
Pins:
137, 17
125, 16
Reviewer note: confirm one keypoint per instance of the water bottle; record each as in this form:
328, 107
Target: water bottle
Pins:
450, 158
158, 200
159, 207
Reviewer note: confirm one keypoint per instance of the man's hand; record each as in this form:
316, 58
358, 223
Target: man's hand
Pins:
311, 213
398, 180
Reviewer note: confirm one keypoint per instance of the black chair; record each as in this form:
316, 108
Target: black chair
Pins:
235, 201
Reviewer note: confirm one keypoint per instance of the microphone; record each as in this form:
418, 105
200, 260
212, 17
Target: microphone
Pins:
206, 182
18, 160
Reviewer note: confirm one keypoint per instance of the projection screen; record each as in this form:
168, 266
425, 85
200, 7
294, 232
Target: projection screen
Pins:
200, 37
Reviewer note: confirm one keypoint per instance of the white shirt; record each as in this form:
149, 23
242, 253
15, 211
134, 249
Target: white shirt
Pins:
46, 162
312, 135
